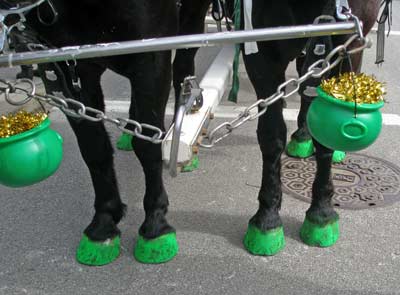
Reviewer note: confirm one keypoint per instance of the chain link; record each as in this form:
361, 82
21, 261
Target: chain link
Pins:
76, 109
316, 70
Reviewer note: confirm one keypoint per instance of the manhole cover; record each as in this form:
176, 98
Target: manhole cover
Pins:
360, 181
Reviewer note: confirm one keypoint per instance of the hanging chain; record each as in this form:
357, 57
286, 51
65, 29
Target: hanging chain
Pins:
75, 109
316, 70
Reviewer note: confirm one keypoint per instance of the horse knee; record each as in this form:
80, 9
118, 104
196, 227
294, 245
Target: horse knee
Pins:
272, 143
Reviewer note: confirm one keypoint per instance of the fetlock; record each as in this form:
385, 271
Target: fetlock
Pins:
115, 208
102, 227
322, 215
266, 219
154, 226
301, 135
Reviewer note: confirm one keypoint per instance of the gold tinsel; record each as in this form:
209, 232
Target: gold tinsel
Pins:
355, 87
21, 121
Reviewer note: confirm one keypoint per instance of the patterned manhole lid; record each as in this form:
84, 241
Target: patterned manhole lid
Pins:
360, 181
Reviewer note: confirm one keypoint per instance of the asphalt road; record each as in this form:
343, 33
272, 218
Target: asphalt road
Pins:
41, 225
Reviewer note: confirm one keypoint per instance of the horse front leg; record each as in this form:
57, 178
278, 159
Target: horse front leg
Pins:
100, 243
191, 21
264, 235
157, 239
321, 226
183, 66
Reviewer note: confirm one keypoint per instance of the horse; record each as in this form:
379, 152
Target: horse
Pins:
87, 21
266, 71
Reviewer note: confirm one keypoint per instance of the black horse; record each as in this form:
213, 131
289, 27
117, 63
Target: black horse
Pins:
266, 70
88, 21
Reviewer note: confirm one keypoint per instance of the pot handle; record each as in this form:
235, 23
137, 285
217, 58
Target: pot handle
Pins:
357, 124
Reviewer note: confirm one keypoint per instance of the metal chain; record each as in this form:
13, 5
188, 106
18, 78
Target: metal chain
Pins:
76, 109
316, 70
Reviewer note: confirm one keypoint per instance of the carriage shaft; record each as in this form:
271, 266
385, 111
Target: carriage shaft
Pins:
177, 42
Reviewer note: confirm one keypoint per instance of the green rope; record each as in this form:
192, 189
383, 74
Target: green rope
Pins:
235, 69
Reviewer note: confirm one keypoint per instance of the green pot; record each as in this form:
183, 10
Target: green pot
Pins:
31, 156
332, 123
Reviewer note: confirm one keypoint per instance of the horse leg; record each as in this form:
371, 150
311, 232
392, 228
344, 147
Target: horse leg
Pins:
157, 239
321, 225
124, 142
265, 232
183, 67
300, 144
191, 21
100, 243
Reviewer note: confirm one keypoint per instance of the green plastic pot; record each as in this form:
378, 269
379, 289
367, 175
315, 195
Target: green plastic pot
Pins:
31, 156
333, 123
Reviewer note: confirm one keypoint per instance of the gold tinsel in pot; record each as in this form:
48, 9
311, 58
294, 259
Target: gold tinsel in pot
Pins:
354, 87
15, 123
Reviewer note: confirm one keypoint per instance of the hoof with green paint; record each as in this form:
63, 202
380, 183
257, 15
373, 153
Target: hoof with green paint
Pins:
266, 243
124, 142
314, 234
192, 165
297, 149
158, 250
338, 156
97, 253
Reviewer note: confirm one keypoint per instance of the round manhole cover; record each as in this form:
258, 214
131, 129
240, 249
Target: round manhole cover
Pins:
360, 181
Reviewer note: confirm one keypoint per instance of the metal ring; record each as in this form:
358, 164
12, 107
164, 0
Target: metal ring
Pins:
337, 50
29, 94
53, 10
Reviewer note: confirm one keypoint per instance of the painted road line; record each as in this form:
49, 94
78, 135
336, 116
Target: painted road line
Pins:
230, 112
391, 33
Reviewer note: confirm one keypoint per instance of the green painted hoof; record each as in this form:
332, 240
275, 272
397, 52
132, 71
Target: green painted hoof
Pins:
299, 149
338, 156
97, 253
320, 235
158, 250
262, 243
124, 142
193, 164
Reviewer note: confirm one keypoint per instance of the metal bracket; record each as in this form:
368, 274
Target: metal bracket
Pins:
18, 9
342, 9
190, 100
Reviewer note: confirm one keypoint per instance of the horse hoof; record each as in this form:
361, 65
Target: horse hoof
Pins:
297, 149
266, 243
338, 156
124, 142
192, 165
318, 235
97, 253
158, 250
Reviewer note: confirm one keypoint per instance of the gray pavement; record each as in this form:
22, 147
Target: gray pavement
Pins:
40, 225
